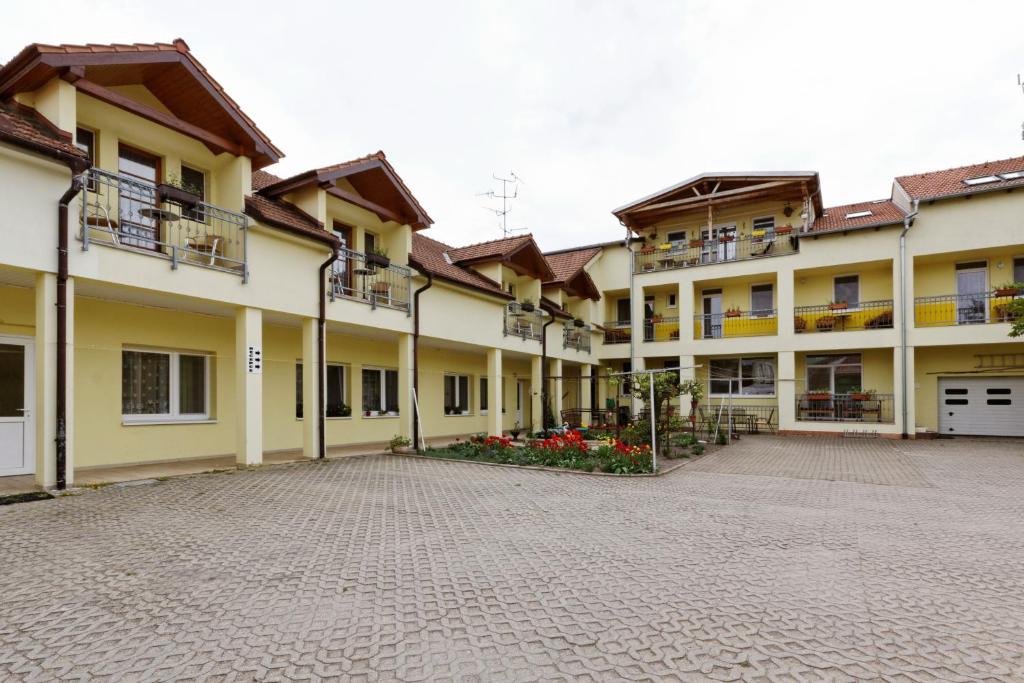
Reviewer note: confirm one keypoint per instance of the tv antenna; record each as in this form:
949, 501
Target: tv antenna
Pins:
506, 200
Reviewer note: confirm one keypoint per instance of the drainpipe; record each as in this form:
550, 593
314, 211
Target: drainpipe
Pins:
321, 338
416, 353
62, 327
908, 221
544, 370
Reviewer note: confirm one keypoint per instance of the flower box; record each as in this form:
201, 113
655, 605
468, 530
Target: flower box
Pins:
170, 193
825, 323
759, 233
1007, 291
799, 324
819, 396
859, 396
783, 229
647, 250
527, 307
578, 323
726, 238
665, 246
379, 260
733, 313
694, 244
838, 306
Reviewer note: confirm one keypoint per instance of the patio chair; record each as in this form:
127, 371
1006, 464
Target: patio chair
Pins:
203, 248
380, 292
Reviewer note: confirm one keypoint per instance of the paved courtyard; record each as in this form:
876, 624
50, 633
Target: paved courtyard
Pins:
776, 559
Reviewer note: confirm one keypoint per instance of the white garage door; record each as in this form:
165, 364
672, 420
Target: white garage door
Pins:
991, 406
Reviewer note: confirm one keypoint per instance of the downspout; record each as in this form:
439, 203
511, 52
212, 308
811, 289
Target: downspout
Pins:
544, 370
321, 367
416, 353
62, 327
908, 221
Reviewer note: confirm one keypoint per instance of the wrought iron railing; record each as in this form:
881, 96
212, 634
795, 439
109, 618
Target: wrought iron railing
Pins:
368, 279
850, 407
966, 309
660, 328
735, 323
866, 315
575, 337
523, 323
617, 331
705, 252
130, 213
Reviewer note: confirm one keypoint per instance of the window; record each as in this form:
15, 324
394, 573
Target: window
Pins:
835, 374
504, 395
762, 300
763, 229
648, 307
483, 396
623, 314
676, 239
336, 391
195, 182
369, 243
1018, 269
380, 392
857, 214
742, 377
85, 140
625, 386
456, 394
164, 385
671, 302
847, 288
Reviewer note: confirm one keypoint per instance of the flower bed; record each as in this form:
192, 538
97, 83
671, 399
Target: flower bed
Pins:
567, 451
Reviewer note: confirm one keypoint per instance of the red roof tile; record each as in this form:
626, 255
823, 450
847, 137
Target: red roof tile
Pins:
950, 182
23, 126
281, 214
428, 255
491, 249
882, 212
565, 264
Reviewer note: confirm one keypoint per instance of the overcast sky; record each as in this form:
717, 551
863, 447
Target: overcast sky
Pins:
593, 104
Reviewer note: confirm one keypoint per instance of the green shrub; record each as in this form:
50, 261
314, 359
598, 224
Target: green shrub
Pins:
698, 449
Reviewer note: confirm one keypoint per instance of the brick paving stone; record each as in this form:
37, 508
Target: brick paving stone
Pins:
777, 559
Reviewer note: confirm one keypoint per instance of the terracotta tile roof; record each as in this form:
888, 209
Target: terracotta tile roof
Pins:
281, 214
428, 255
882, 212
565, 264
261, 179
950, 182
22, 126
492, 249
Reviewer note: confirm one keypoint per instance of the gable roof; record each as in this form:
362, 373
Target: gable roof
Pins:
838, 218
380, 189
284, 215
951, 181
168, 70
568, 268
520, 253
24, 127
429, 256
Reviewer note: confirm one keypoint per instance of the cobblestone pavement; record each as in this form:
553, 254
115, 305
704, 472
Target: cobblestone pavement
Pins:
770, 560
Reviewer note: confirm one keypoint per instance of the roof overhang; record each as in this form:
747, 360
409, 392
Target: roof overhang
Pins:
526, 259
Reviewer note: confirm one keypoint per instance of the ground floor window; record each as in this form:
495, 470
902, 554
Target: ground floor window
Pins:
380, 392
337, 391
835, 374
164, 385
742, 377
456, 394
483, 396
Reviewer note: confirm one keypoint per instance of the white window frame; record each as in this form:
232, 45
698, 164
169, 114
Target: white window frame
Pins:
1013, 267
345, 379
382, 410
174, 388
832, 370
753, 311
859, 297
458, 395
739, 378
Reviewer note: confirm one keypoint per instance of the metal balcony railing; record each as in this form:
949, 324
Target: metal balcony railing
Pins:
965, 309
851, 407
356, 276
719, 250
130, 213
660, 328
735, 323
866, 315
522, 323
574, 337
617, 331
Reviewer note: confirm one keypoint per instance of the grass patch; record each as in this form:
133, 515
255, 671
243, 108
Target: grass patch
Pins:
25, 497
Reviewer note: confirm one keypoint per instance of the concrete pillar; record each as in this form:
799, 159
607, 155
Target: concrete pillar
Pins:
556, 389
897, 390
45, 361
310, 424
536, 406
249, 386
686, 310
785, 303
406, 410
637, 403
586, 382
787, 386
495, 400
897, 294
598, 374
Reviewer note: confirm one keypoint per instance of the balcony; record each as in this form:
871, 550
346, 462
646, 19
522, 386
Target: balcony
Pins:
850, 407
524, 321
617, 331
576, 337
966, 309
841, 317
162, 221
370, 280
707, 252
660, 328
735, 323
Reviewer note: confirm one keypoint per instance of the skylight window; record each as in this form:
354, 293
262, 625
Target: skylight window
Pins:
1012, 175
981, 180
858, 214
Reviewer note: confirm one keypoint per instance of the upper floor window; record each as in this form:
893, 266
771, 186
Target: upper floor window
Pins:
676, 238
763, 228
1018, 269
846, 288
622, 311
369, 243
139, 226
762, 299
85, 140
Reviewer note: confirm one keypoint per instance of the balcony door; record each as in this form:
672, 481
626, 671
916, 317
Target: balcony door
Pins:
971, 287
141, 173
712, 314
714, 248
343, 267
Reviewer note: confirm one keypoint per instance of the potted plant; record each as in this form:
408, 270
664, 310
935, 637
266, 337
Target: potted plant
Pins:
818, 396
733, 313
760, 232
825, 323
1009, 289
696, 244
647, 250
783, 229
400, 444
837, 305
726, 238
515, 431
799, 324
578, 322
665, 246
378, 257
174, 189
858, 394
527, 305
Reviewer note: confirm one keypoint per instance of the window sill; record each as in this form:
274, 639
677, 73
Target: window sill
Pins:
143, 423
380, 417
328, 417
462, 415
744, 396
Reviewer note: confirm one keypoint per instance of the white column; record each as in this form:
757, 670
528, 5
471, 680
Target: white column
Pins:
536, 405
586, 382
786, 390
406, 411
249, 386
897, 390
45, 413
785, 302
555, 390
494, 395
310, 392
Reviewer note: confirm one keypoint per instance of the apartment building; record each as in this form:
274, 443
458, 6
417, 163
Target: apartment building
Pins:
164, 295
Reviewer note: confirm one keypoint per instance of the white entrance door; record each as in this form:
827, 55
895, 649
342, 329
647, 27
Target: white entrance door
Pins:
987, 406
520, 394
17, 399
